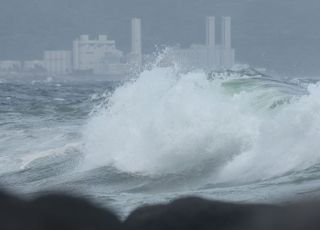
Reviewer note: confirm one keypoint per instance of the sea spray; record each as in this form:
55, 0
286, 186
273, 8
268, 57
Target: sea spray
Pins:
165, 133
287, 142
167, 122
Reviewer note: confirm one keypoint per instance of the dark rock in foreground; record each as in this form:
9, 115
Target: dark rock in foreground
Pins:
64, 212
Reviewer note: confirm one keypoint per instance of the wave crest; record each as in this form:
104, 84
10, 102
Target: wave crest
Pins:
167, 122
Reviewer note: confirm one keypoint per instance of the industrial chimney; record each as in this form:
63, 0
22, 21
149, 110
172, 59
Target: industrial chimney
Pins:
136, 47
210, 31
226, 32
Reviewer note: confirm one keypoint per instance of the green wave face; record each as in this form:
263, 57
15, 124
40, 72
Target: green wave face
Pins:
268, 92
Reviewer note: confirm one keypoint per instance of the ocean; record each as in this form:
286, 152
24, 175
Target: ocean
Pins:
162, 135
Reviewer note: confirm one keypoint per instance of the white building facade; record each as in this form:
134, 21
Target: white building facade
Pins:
58, 62
96, 56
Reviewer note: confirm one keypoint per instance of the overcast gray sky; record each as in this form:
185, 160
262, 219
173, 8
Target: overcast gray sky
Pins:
281, 35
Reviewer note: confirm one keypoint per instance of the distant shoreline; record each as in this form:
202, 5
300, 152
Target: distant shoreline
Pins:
18, 77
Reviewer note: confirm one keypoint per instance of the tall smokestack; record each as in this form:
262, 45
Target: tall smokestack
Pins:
136, 47
210, 31
226, 32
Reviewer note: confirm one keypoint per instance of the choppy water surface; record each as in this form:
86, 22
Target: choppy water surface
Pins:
163, 135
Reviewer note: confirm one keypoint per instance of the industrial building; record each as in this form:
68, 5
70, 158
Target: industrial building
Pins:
58, 62
10, 66
96, 56
34, 66
210, 56
88, 57
100, 56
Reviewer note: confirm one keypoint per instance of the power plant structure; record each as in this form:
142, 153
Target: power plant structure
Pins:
211, 31
210, 56
97, 56
100, 56
226, 32
57, 61
136, 43
228, 54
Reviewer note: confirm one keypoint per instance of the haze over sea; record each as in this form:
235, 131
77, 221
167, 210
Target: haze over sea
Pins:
162, 135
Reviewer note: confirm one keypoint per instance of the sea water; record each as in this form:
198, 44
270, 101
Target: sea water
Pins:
162, 135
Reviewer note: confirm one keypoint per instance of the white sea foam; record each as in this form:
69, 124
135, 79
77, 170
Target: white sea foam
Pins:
287, 141
167, 122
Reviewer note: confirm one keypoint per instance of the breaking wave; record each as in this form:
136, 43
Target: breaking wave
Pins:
234, 128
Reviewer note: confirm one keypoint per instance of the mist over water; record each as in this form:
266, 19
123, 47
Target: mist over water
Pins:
162, 135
